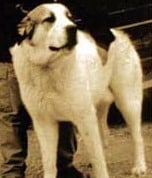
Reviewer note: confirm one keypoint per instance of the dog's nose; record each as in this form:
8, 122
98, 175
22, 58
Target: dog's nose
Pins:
71, 30
71, 35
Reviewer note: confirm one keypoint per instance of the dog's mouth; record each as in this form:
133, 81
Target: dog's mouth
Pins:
53, 48
71, 40
68, 46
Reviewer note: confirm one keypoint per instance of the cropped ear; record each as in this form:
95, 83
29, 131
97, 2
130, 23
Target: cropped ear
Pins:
26, 27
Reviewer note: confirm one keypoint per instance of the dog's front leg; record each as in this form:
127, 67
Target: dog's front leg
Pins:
89, 130
47, 133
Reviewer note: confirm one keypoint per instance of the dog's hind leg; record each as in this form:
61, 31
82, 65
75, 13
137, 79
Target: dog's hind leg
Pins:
129, 102
102, 113
47, 133
89, 131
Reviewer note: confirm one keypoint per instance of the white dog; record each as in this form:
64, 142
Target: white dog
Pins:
62, 78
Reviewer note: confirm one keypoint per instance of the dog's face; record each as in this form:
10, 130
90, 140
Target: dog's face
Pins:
49, 25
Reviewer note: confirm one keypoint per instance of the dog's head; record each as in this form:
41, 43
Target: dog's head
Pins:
49, 25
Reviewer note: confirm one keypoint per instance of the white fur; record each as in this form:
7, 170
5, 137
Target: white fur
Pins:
73, 85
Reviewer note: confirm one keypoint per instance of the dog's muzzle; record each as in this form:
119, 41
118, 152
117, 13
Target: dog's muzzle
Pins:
71, 32
72, 36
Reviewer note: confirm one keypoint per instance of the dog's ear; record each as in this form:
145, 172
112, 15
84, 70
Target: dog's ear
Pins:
26, 27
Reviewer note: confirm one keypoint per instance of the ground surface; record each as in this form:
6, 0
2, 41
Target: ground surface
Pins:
119, 154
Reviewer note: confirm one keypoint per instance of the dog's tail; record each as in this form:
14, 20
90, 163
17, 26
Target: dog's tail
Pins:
123, 45
124, 54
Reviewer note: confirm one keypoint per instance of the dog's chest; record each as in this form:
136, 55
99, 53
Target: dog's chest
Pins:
65, 89
66, 85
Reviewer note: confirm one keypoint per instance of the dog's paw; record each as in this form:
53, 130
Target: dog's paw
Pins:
139, 170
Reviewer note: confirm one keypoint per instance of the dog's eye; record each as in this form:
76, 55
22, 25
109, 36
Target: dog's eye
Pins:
49, 19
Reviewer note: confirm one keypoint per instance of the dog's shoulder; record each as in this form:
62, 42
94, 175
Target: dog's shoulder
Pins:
16, 51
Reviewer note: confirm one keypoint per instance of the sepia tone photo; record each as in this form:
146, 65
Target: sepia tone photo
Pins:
75, 89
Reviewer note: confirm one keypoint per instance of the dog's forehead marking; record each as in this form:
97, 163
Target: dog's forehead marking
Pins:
45, 10
39, 13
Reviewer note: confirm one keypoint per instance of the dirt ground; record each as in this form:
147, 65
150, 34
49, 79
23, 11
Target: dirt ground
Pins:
119, 154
